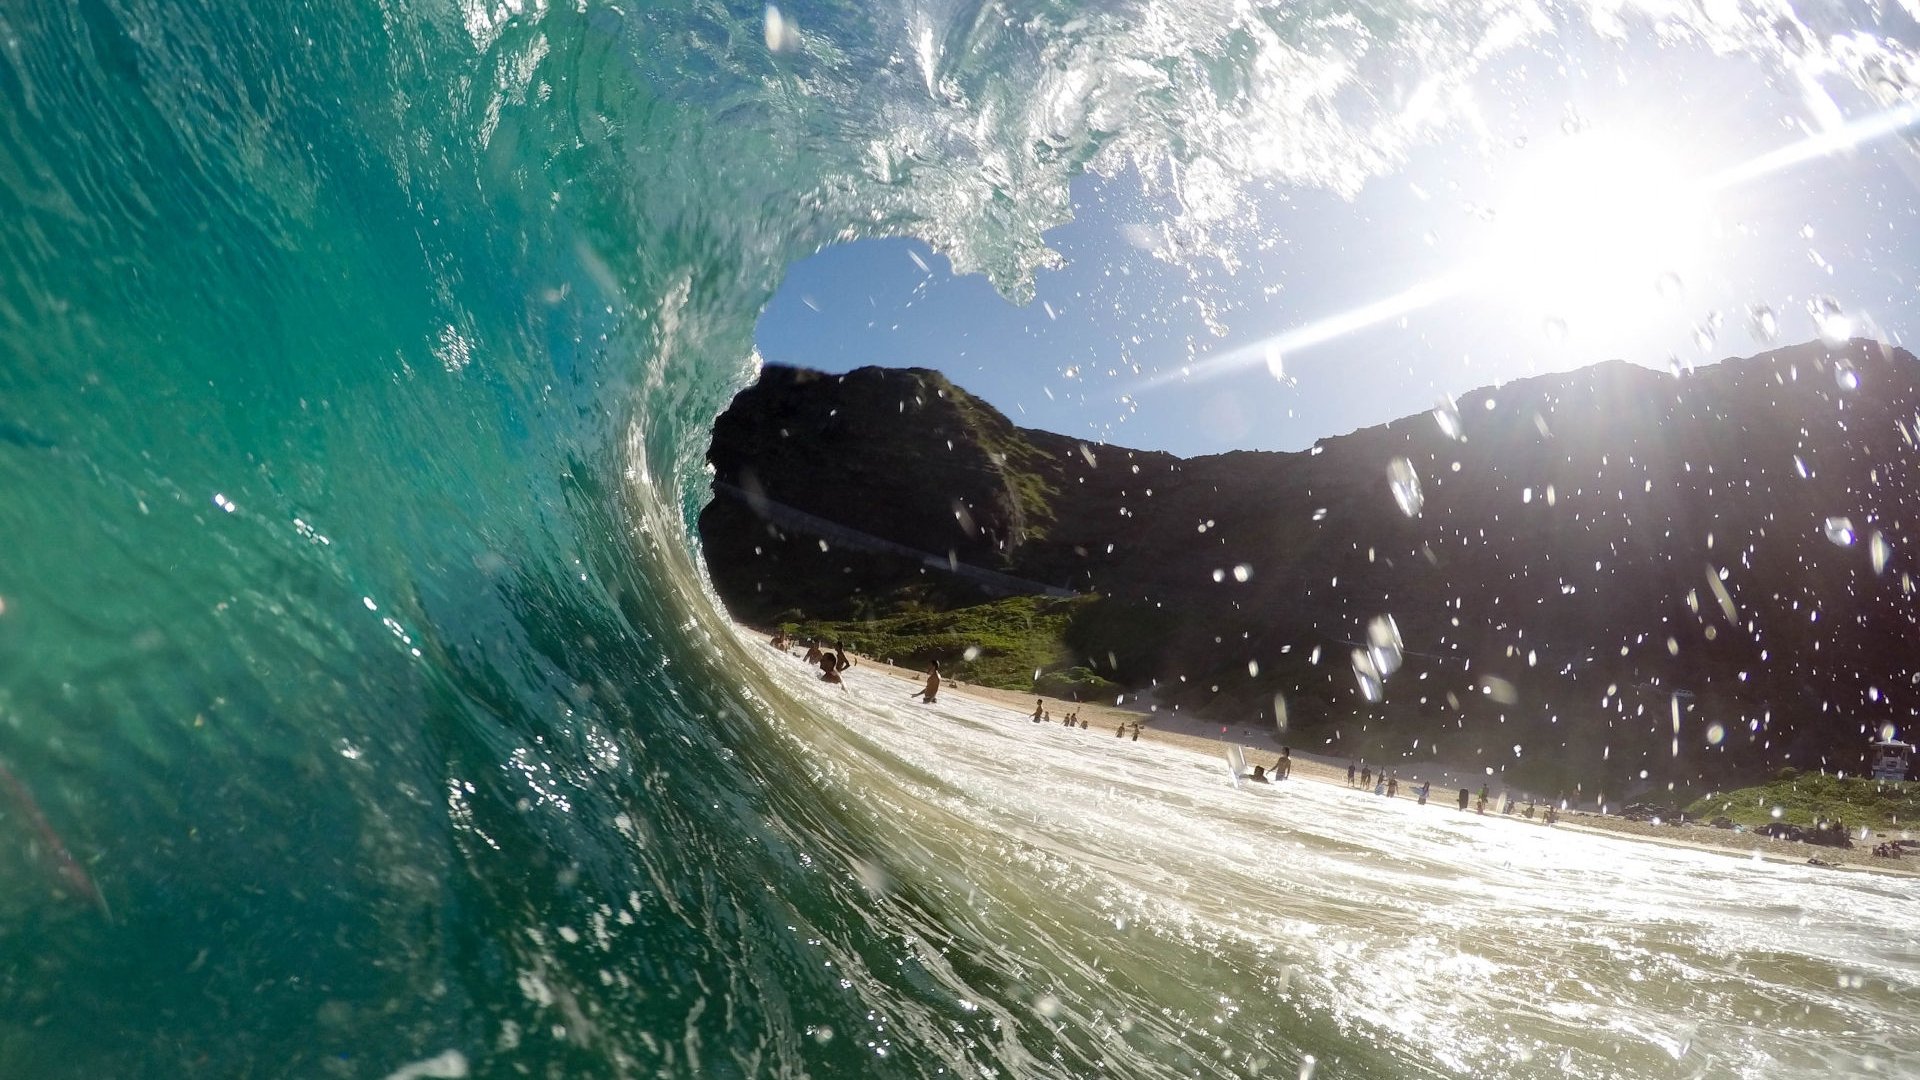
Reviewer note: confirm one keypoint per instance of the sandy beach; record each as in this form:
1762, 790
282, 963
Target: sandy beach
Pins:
1261, 746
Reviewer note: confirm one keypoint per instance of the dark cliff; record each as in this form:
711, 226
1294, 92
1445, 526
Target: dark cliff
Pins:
1612, 567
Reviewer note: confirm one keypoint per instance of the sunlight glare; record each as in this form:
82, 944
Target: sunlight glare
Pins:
1595, 222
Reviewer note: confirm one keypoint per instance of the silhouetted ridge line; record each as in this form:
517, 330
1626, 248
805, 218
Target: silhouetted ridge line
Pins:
1612, 568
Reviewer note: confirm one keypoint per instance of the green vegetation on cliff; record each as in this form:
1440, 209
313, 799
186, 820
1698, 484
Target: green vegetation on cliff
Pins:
1799, 798
1001, 644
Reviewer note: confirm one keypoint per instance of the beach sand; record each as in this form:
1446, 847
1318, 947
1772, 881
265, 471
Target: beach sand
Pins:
1262, 745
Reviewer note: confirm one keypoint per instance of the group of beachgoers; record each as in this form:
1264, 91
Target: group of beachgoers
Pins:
831, 662
1044, 715
1385, 784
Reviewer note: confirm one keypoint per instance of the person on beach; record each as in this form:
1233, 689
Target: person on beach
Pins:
1529, 808
1425, 787
933, 685
1120, 730
1393, 786
813, 653
1481, 806
840, 661
1366, 775
1136, 731
1039, 709
1465, 797
1350, 770
1380, 785
1284, 767
829, 668
1259, 775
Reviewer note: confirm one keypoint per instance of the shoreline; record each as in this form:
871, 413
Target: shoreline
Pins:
1209, 737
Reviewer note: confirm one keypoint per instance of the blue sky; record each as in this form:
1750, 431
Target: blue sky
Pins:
1598, 199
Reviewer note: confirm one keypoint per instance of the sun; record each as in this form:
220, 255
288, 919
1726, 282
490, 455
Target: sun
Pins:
1593, 222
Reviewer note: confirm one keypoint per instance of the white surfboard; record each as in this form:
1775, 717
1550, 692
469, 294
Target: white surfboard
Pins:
1236, 765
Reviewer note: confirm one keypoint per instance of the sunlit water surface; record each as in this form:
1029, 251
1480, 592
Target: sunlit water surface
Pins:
1309, 926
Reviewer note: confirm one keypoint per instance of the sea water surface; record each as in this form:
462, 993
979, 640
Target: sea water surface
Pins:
1155, 916
363, 709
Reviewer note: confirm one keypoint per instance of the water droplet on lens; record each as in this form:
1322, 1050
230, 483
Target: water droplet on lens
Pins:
1669, 285
782, 34
1447, 415
1762, 324
972, 653
1406, 486
1845, 377
1840, 530
1715, 733
1366, 675
1703, 338
1499, 690
1219, 574
1242, 572
1829, 321
1878, 549
1276, 364
1555, 328
1384, 647
872, 876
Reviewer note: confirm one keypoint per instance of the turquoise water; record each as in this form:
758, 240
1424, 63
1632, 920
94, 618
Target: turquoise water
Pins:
360, 691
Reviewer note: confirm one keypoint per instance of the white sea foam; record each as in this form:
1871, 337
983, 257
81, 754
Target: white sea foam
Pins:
1139, 880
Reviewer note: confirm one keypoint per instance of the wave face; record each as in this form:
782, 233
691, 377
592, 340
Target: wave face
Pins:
362, 700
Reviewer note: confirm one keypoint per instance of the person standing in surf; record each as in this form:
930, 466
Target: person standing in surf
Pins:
932, 690
1284, 767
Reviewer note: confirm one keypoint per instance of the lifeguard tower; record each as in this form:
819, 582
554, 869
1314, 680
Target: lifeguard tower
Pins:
1891, 759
